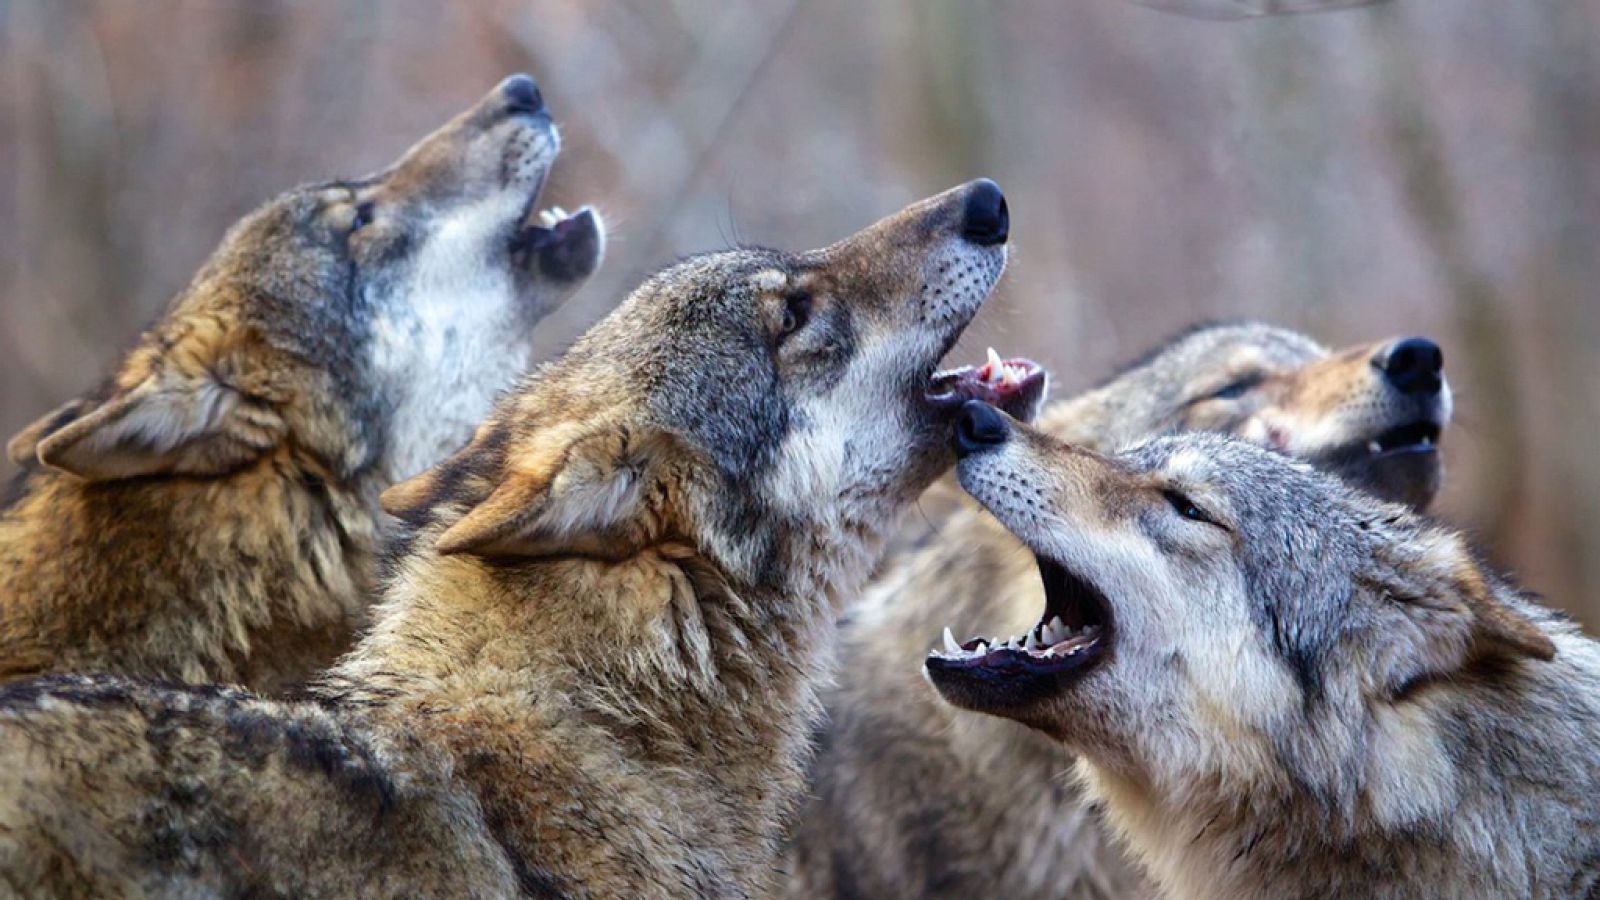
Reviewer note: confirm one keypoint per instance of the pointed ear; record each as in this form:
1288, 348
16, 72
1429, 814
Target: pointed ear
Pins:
1456, 615
23, 449
590, 495
1498, 628
167, 424
409, 499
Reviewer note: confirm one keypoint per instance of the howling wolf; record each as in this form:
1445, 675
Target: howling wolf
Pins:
873, 827
211, 512
1279, 687
594, 670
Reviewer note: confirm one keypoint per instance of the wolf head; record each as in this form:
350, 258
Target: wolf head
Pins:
366, 324
1371, 414
754, 404
1216, 611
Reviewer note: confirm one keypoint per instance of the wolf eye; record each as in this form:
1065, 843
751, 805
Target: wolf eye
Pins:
1237, 388
796, 312
1187, 508
362, 218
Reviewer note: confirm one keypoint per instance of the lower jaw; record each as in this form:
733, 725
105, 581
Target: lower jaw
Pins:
1402, 475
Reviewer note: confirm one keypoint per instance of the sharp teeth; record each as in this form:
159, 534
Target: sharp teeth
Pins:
547, 218
1374, 447
1010, 376
1033, 641
1426, 441
981, 648
1053, 630
996, 364
950, 645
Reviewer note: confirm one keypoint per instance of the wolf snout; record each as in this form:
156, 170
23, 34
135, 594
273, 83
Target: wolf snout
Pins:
1414, 365
985, 221
520, 94
979, 427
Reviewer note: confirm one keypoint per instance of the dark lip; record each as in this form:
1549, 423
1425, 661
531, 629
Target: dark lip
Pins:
1420, 436
531, 238
1073, 599
949, 389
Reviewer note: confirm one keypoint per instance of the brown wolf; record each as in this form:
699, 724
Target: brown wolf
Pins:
915, 798
594, 670
1282, 688
210, 513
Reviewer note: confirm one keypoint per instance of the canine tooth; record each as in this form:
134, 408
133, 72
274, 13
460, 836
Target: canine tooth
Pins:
1033, 641
1426, 441
1374, 447
981, 648
547, 218
950, 645
996, 364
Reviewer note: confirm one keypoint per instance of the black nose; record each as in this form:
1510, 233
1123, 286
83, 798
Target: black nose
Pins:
1415, 366
521, 95
985, 220
980, 427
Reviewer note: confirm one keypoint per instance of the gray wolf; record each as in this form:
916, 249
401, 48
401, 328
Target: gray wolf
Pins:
593, 672
210, 513
912, 797
1279, 687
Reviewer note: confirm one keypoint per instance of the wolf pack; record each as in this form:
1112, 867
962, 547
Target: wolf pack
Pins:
330, 590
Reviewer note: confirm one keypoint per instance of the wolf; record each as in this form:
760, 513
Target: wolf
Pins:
210, 513
593, 672
1280, 687
912, 797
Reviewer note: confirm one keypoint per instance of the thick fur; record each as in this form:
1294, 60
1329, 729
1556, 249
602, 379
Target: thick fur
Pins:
913, 797
594, 670
1302, 691
210, 514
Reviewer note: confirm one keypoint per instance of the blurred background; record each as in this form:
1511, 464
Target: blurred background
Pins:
1417, 166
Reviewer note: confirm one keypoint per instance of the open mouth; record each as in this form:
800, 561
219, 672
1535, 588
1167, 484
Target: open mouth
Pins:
1015, 385
565, 245
1415, 437
1072, 635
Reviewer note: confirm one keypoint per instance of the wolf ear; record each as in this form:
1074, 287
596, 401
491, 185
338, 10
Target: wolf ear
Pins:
1500, 630
23, 449
1462, 613
167, 424
586, 495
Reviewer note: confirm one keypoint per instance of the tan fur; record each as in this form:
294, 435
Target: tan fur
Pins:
916, 798
210, 513
593, 673
1300, 691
